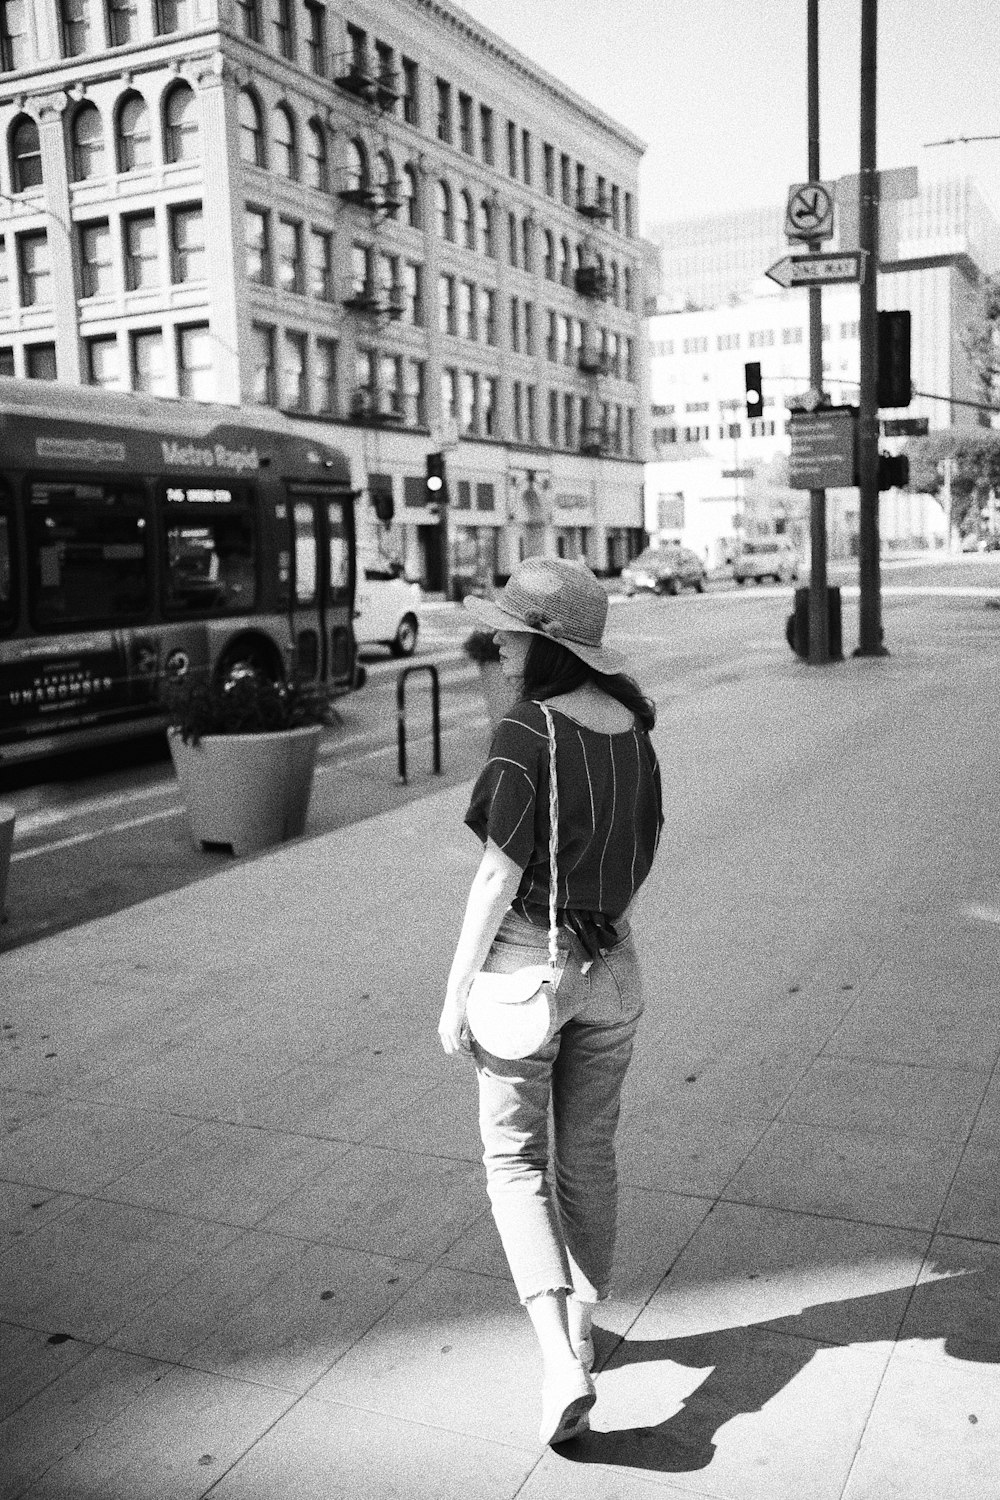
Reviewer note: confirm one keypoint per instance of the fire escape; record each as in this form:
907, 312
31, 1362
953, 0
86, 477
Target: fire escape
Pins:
374, 300
591, 283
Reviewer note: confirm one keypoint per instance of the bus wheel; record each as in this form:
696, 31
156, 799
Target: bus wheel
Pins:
404, 643
249, 656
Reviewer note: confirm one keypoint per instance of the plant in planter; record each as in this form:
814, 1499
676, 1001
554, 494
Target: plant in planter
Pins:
244, 751
480, 646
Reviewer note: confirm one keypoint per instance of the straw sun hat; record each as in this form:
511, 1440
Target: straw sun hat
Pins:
560, 599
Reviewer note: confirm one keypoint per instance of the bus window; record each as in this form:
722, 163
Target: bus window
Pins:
211, 556
87, 550
339, 554
305, 553
7, 613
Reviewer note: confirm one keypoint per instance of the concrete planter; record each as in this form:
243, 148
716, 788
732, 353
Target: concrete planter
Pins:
247, 790
497, 691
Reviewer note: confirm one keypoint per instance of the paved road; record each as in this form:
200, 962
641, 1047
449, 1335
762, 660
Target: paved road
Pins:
106, 835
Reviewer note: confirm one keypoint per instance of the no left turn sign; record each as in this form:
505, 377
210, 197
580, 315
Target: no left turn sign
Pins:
809, 214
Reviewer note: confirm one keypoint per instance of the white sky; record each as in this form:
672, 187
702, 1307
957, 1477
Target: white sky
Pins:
717, 88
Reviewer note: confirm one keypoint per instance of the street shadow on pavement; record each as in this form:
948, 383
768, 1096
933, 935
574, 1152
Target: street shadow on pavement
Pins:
746, 1367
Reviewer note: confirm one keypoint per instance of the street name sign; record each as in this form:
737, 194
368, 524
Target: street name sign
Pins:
822, 451
905, 426
809, 211
737, 473
826, 269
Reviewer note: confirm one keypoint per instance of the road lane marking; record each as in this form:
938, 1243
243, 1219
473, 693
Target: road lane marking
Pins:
96, 833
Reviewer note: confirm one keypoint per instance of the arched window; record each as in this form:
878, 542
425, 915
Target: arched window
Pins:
445, 212
627, 287
87, 139
388, 185
565, 262
486, 227
549, 266
466, 222
613, 273
252, 148
411, 196
286, 150
581, 257
358, 172
528, 244
134, 135
317, 157
25, 154
180, 119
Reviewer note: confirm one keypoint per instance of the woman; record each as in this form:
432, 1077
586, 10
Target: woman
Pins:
559, 1234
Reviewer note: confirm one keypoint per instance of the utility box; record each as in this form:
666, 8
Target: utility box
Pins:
797, 628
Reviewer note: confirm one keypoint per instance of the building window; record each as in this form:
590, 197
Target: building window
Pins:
486, 147
565, 263
515, 325
289, 256
173, 15
511, 149
467, 321
5, 302
526, 157
135, 138
324, 377
411, 100
7, 361
549, 168
629, 223
25, 155
321, 265
195, 366
358, 174
760, 338
549, 256
391, 385
513, 246
294, 381
284, 31
554, 431
529, 328
446, 304
122, 22
413, 287
249, 15
87, 140
252, 148
262, 352
791, 335
142, 262
517, 408
468, 415
149, 366
465, 140
445, 212
443, 110
187, 245
388, 188
181, 121
390, 288
466, 221
286, 150
104, 363
316, 37
416, 408
565, 179
486, 228
34, 270
616, 208
531, 413
40, 362
727, 341
74, 20
96, 265
552, 337
488, 427
317, 157
449, 395
527, 244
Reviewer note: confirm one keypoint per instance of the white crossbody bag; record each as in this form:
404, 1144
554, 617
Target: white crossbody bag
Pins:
513, 1015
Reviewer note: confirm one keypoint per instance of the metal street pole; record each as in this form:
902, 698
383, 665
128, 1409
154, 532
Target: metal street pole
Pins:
870, 633
819, 614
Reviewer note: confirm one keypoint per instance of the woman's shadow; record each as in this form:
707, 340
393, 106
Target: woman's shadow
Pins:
746, 1367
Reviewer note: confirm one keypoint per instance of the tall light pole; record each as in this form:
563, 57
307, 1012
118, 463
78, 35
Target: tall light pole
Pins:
870, 633
819, 613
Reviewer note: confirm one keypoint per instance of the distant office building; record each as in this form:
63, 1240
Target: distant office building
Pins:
380, 218
714, 474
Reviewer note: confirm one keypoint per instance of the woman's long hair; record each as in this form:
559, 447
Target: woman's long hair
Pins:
550, 669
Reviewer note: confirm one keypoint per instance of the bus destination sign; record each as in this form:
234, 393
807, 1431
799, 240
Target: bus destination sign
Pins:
210, 456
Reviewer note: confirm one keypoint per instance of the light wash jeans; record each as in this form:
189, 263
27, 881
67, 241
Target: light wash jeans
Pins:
557, 1224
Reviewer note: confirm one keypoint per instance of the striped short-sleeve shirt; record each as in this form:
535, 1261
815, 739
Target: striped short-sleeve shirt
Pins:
610, 811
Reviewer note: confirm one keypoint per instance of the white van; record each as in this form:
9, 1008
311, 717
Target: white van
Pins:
766, 557
386, 607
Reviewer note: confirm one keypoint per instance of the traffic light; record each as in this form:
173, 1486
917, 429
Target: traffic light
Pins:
893, 470
436, 480
894, 387
380, 493
755, 392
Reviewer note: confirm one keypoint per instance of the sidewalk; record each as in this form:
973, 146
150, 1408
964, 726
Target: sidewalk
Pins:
247, 1247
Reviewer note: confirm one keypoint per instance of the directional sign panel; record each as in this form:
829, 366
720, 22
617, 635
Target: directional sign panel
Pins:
809, 213
822, 451
826, 269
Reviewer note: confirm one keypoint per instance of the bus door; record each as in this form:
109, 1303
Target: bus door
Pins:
323, 585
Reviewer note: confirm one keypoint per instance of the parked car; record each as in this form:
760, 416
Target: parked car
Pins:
664, 570
768, 557
387, 608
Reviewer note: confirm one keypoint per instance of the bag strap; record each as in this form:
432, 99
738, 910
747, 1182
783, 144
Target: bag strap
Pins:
553, 841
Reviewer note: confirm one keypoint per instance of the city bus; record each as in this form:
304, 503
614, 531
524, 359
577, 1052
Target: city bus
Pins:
143, 539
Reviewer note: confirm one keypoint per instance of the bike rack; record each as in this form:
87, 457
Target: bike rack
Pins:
404, 673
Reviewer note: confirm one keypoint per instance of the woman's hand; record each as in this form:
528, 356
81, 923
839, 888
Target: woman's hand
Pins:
452, 1027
